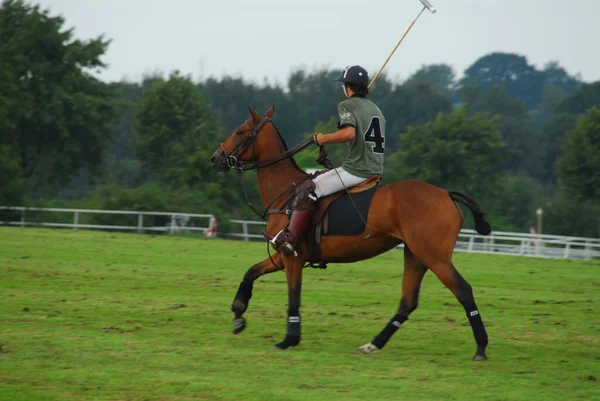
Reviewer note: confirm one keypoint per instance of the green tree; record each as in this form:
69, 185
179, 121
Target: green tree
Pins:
411, 104
520, 79
552, 95
314, 98
512, 203
565, 216
551, 136
511, 71
579, 166
54, 116
512, 120
578, 102
176, 132
555, 75
564, 119
13, 188
230, 97
439, 76
123, 167
455, 151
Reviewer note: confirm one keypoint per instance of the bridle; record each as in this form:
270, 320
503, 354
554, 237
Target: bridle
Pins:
233, 158
234, 163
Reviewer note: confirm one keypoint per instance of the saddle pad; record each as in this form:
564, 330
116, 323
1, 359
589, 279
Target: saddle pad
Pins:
342, 217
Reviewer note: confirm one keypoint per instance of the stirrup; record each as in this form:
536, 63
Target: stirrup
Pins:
278, 244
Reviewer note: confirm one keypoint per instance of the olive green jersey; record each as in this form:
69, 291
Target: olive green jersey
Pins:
365, 151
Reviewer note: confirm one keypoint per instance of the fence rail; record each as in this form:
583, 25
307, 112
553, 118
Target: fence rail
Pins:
498, 243
177, 222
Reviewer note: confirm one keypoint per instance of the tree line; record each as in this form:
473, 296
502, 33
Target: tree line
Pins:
511, 135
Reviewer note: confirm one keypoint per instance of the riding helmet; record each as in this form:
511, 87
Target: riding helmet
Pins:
354, 75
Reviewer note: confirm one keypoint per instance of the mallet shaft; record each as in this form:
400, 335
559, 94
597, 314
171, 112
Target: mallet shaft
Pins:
393, 51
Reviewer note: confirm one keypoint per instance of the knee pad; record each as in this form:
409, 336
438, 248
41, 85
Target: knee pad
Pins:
305, 196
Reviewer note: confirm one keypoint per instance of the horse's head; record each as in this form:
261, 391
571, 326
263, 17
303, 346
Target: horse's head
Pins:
241, 144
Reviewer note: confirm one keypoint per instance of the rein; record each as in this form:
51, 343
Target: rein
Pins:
279, 195
245, 165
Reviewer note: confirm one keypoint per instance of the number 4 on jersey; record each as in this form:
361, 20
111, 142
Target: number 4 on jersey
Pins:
373, 135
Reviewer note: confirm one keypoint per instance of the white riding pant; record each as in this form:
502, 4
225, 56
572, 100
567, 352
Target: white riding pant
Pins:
329, 182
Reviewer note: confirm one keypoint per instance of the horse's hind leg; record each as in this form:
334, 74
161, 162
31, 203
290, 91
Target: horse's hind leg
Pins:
414, 271
452, 279
244, 292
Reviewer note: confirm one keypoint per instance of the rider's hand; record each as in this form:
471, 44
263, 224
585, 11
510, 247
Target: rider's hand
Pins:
316, 139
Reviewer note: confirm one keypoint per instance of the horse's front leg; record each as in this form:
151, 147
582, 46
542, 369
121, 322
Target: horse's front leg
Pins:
293, 272
244, 292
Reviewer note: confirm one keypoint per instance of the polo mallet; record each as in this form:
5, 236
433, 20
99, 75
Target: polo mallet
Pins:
426, 5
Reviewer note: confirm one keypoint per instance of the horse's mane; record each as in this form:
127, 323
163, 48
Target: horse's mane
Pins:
286, 148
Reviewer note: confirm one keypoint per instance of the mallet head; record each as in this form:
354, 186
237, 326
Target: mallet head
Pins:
428, 5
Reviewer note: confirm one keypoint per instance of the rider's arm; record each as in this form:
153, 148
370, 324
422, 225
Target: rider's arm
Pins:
345, 134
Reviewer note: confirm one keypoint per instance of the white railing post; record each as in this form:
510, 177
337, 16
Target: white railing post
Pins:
588, 251
76, 220
567, 249
471, 241
245, 230
23, 217
172, 223
140, 223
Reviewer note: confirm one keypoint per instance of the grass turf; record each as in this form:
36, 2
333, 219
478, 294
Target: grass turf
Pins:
105, 316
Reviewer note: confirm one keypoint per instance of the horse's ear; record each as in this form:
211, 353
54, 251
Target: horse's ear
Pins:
254, 114
269, 113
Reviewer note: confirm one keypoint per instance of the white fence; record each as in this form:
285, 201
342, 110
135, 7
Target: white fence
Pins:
177, 222
498, 243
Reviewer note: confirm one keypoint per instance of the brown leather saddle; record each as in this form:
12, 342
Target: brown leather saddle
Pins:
320, 221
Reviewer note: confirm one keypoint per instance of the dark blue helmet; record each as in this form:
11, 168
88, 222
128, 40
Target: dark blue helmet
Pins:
354, 75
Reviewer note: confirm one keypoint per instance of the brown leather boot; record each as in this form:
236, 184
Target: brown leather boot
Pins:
304, 207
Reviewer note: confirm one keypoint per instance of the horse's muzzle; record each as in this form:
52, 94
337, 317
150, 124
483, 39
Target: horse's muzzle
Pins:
218, 162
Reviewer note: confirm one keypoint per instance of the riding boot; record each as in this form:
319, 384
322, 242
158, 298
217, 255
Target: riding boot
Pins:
304, 205
296, 231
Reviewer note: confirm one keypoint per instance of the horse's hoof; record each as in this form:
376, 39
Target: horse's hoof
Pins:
480, 357
366, 349
239, 325
289, 341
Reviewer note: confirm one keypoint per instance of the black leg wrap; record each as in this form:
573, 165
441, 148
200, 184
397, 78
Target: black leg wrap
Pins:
481, 337
292, 338
389, 330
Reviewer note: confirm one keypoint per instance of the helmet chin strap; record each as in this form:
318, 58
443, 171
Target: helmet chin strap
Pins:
345, 91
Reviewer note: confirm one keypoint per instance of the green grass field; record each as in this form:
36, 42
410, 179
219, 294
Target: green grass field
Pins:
103, 316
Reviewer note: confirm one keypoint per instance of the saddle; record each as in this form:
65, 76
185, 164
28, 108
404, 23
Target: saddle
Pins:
326, 201
320, 224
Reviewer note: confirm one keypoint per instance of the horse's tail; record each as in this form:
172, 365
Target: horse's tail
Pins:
481, 226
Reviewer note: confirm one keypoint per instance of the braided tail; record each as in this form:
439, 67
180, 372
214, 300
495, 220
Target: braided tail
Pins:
481, 226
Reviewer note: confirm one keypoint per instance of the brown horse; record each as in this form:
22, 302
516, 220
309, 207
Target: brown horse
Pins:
424, 217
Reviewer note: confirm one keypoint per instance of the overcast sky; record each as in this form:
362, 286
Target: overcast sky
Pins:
269, 38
